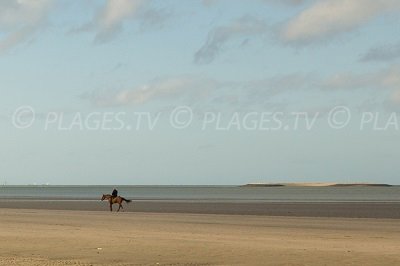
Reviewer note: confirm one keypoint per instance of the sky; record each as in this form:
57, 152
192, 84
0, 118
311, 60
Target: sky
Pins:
211, 92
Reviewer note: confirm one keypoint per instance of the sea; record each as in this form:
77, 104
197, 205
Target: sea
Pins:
207, 193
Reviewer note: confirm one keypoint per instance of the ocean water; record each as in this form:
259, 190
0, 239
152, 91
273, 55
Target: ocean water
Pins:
207, 193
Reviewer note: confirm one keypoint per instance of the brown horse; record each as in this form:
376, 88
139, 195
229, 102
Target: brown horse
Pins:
113, 200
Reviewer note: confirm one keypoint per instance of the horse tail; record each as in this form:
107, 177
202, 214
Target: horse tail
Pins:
127, 201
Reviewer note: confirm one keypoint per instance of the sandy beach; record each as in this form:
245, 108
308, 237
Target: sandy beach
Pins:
63, 237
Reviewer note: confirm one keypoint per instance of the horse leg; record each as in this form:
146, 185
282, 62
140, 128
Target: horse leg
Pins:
119, 207
110, 207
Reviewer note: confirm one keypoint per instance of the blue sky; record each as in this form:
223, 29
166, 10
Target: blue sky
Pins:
128, 56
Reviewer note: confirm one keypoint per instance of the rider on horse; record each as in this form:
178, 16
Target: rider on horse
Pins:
114, 193
115, 199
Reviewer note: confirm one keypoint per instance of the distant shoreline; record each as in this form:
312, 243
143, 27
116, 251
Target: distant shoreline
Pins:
315, 185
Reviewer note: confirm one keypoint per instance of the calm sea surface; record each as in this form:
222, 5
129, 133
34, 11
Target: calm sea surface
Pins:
208, 193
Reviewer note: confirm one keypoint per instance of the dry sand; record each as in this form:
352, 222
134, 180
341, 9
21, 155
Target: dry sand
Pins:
49, 237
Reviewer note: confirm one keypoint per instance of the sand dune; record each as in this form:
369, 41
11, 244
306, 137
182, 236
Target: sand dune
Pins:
316, 184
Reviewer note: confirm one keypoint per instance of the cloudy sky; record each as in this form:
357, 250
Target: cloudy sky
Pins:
75, 62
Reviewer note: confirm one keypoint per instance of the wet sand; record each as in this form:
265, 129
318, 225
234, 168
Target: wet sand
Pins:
299, 209
49, 237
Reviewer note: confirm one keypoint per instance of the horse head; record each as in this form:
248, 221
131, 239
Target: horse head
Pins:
103, 198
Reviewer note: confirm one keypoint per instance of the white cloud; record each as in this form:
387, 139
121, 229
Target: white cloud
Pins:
391, 77
278, 2
353, 87
110, 18
395, 97
382, 53
19, 20
385, 79
244, 27
328, 18
319, 21
373, 85
184, 88
115, 11
209, 2
270, 92
286, 2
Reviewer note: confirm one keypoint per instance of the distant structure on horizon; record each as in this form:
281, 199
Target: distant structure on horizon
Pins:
316, 184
